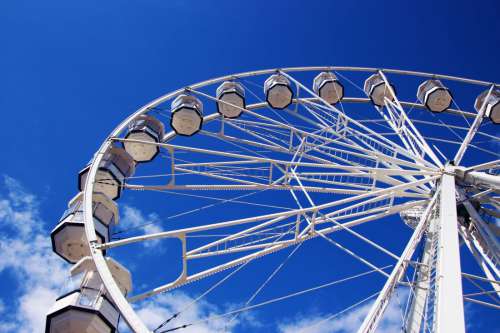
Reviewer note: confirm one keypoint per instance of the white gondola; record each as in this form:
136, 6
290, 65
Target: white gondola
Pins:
116, 165
278, 93
187, 115
327, 86
434, 95
492, 105
144, 128
84, 306
376, 88
232, 93
68, 237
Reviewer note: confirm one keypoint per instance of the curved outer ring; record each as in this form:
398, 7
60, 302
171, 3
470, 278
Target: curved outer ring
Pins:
115, 294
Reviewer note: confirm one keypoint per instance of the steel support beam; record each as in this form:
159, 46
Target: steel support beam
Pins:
449, 306
376, 312
482, 179
473, 129
419, 298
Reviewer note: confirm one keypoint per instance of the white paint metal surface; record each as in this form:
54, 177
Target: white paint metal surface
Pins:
374, 316
421, 291
127, 312
449, 305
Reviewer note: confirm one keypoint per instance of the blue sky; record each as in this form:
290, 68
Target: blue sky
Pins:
71, 71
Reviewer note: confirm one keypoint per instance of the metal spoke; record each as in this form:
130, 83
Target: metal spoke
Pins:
392, 190
473, 129
408, 134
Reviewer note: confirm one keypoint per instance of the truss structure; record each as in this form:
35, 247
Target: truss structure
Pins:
341, 171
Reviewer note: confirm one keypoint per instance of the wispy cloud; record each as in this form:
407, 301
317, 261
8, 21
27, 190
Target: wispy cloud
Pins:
27, 255
131, 217
349, 322
156, 310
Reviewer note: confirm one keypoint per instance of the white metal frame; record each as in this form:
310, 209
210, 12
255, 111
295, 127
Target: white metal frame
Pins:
375, 146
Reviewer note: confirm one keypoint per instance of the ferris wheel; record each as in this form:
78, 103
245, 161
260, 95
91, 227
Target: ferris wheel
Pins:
291, 157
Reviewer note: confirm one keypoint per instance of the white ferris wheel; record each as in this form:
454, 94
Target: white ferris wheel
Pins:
291, 157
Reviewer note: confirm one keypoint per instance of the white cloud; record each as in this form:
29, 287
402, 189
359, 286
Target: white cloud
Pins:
348, 322
27, 255
18, 209
132, 217
156, 310
7, 327
33, 306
